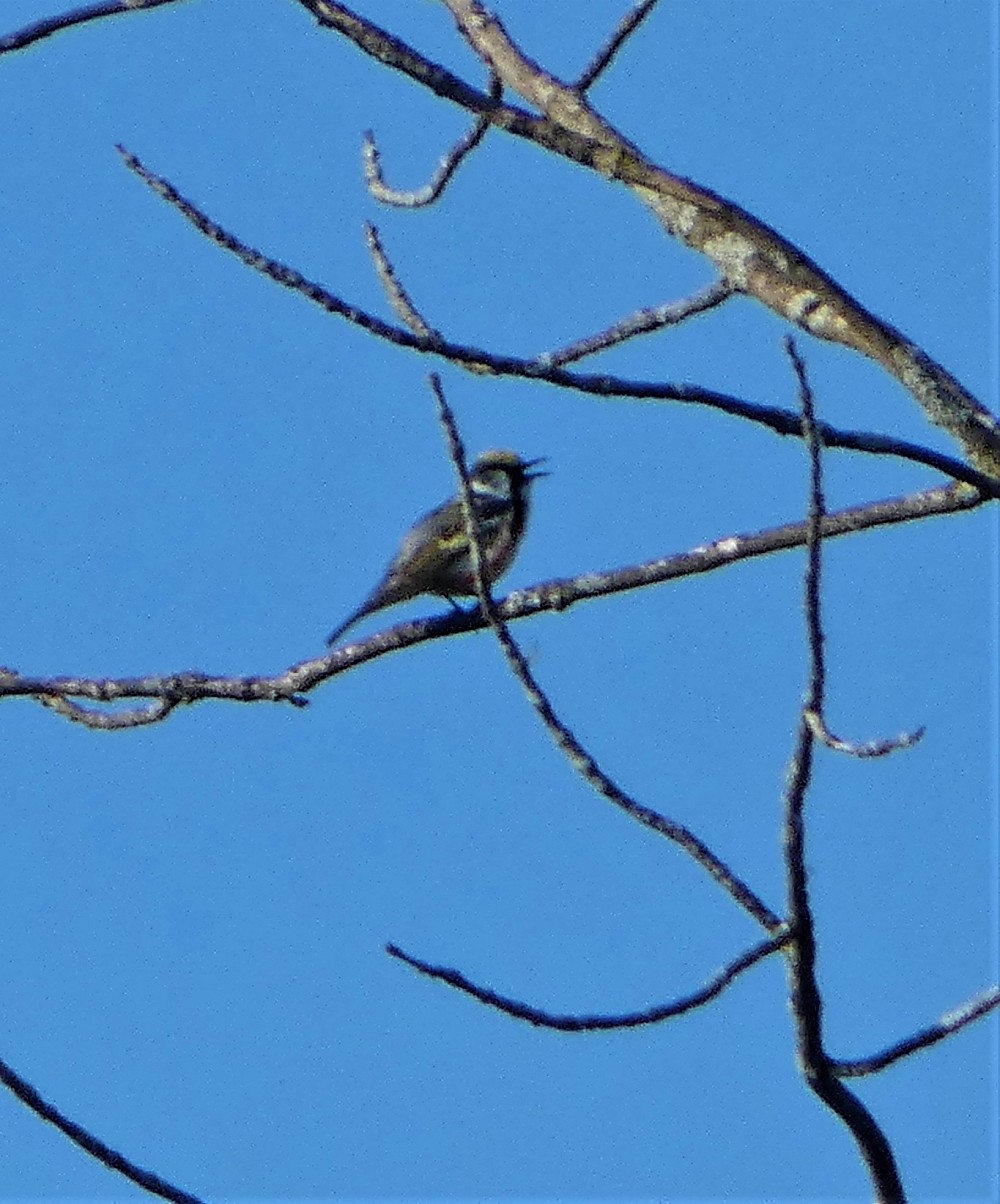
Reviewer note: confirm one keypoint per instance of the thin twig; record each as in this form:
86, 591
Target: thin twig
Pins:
866, 748
450, 163
77, 16
645, 321
92, 1145
952, 1022
628, 24
109, 721
813, 713
578, 756
806, 1000
475, 359
594, 1023
399, 298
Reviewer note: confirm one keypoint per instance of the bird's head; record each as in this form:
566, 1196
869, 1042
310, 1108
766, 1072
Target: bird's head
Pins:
505, 472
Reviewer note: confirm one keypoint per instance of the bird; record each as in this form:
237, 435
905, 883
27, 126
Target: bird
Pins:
434, 556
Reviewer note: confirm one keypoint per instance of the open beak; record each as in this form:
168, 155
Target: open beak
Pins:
531, 476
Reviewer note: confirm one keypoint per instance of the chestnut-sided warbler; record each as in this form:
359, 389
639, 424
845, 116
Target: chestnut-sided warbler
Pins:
434, 557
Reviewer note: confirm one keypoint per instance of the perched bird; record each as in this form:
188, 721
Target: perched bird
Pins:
434, 557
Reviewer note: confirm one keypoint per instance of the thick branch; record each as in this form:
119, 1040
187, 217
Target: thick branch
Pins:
750, 255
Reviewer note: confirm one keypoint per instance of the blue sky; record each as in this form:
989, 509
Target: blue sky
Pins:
202, 470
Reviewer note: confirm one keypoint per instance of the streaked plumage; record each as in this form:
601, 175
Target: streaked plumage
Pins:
434, 557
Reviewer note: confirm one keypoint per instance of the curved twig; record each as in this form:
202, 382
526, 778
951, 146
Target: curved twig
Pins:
450, 163
813, 714
45, 28
109, 721
595, 1023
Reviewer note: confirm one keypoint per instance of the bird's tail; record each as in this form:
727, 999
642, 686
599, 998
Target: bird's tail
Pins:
337, 632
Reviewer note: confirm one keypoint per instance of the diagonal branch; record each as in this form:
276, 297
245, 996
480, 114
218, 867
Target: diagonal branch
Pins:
578, 756
290, 686
955, 1020
77, 16
479, 361
645, 321
395, 290
626, 27
92, 1145
753, 257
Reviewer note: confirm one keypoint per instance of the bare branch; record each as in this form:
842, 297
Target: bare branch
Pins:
399, 298
475, 359
581, 760
645, 321
753, 257
806, 1000
595, 1023
748, 253
556, 595
77, 16
952, 1022
626, 27
449, 164
813, 713
92, 1145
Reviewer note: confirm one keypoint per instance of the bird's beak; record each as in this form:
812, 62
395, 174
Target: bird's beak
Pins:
530, 476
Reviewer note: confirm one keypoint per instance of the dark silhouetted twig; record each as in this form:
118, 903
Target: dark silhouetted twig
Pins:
594, 1023
806, 1000
626, 27
45, 28
578, 756
953, 1022
104, 1154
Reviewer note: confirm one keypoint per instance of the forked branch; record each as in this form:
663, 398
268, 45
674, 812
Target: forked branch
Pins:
806, 999
751, 256
477, 360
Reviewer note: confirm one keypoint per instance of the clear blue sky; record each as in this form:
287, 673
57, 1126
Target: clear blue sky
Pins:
202, 470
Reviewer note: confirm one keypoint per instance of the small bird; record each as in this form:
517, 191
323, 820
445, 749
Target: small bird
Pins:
434, 557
